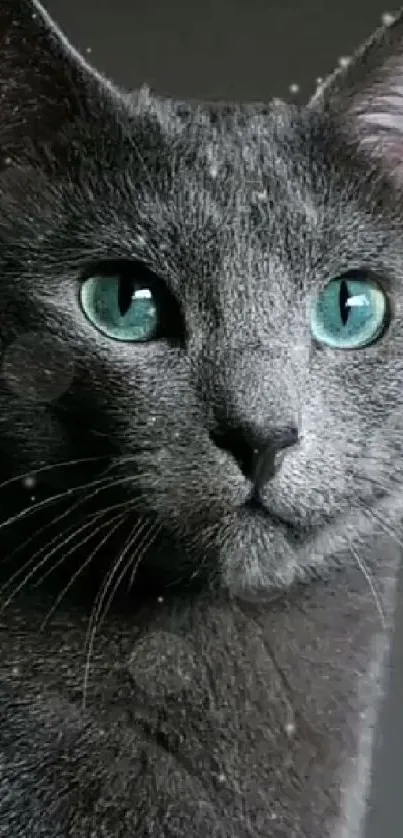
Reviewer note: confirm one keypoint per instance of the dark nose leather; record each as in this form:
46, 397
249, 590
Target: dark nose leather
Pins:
268, 459
258, 458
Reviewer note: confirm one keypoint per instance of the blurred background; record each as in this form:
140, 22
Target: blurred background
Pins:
219, 49
247, 50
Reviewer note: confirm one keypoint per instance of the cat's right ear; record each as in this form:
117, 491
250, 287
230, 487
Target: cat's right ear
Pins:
44, 83
365, 99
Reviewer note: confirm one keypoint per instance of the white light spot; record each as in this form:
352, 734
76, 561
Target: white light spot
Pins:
29, 482
388, 18
358, 300
319, 81
15, 670
294, 88
89, 49
160, 599
213, 170
290, 728
144, 293
344, 61
260, 196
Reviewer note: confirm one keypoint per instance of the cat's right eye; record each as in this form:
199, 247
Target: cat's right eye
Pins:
127, 302
351, 312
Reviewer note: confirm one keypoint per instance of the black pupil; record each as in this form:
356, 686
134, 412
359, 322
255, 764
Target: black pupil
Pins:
343, 300
125, 294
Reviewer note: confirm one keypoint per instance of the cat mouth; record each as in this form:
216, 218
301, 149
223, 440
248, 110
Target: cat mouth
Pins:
262, 553
255, 507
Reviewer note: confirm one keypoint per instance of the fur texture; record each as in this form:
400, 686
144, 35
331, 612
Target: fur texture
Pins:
256, 719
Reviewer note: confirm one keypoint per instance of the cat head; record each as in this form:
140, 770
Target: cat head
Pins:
207, 296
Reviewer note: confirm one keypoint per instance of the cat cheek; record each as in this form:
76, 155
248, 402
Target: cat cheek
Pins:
195, 486
37, 367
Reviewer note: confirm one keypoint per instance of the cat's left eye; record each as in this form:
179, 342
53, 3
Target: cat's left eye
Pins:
126, 302
351, 312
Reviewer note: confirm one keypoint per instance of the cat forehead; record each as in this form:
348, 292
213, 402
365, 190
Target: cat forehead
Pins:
222, 162
247, 139
192, 189
189, 189
204, 162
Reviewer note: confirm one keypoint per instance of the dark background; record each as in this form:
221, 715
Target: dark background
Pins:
244, 49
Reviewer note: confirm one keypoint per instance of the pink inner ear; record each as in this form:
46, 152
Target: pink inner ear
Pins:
377, 118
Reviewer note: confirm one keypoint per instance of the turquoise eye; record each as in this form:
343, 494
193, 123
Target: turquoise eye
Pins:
120, 307
349, 313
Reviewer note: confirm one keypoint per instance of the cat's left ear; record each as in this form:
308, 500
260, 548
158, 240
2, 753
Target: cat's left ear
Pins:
44, 83
366, 98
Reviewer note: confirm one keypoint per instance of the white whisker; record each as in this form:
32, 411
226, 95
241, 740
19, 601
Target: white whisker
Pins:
371, 584
144, 546
19, 478
119, 518
94, 620
100, 485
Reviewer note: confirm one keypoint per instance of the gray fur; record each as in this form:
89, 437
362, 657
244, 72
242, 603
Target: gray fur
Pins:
244, 212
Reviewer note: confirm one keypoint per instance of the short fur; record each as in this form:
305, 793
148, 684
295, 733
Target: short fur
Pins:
243, 707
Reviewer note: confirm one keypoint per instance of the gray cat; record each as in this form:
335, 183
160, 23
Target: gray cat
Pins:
200, 390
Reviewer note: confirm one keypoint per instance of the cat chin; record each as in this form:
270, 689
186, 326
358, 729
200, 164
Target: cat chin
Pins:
258, 555
261, 557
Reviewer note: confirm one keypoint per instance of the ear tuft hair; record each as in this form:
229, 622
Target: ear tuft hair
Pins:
44, 82
366, 98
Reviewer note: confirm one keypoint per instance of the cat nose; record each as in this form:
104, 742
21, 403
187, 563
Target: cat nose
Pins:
258, 458
268, 459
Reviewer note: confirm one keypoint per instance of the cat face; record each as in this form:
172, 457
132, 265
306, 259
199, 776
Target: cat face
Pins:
208, 296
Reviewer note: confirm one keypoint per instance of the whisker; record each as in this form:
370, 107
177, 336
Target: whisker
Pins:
45, 561
371, 584
46, 526
376, 482
100, 599
75, 547
56, 540
48, 555
203, 561
144, 546
100, 485
19, 478
43, 504
86, 564
388, 530
10, 556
